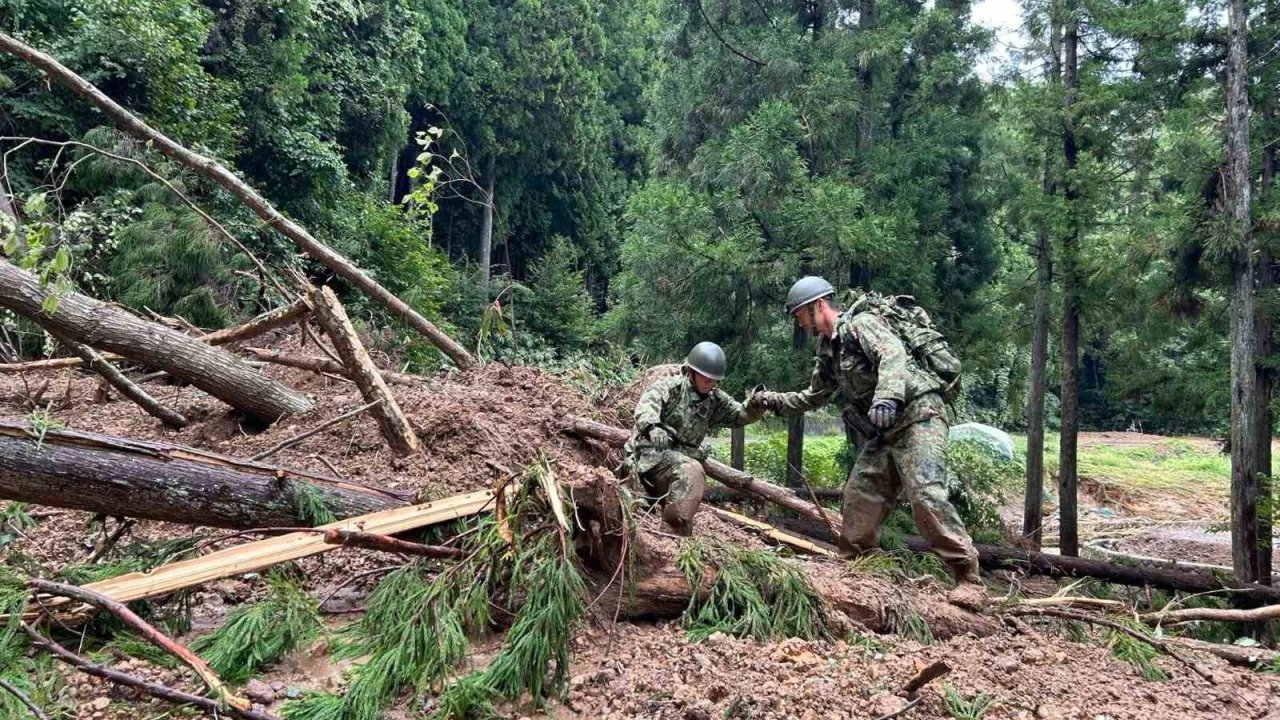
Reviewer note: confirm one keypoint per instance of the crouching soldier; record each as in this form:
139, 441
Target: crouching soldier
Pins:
672, 419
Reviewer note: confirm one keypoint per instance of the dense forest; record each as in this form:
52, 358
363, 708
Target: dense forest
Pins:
625, 179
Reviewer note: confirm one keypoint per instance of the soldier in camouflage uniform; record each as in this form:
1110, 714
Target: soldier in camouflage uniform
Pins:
671, 421
899, 411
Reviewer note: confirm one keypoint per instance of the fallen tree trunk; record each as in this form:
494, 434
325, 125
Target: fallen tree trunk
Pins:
261, 324
211, 169
996, 557
126, 386
736, 479
325, 365
160, 481
99, 325
360, 368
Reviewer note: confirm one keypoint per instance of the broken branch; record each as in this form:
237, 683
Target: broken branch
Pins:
23, 697
386, 543
317, 429
126, 386
147, 631
360, 368
153, 689
324, 365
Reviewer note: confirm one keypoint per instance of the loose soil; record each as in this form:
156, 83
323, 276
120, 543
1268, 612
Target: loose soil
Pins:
480, 426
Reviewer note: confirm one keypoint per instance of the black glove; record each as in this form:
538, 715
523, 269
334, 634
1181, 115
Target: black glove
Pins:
660, 439
883, 413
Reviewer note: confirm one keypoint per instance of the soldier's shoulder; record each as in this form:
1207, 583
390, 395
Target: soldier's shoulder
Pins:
665, 384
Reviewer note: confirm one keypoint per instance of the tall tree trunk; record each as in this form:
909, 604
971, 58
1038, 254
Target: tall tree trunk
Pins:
1245, 485
1033, 510
486, 229
1264, 337
159, 481
1070, 426
99, 325
795, 450
737, 448
866, 80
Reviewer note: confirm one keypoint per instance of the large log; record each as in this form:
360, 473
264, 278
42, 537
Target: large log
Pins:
264, 323
160, 481
211, 169
360, 368
996, 557
736, 479
103, 326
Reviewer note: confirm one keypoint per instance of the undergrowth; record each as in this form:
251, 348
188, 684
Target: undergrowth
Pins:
257, 635
418, 626
754, 594
962, 708
1140, 654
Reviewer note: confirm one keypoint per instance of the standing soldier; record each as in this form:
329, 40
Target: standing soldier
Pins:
898, 408
671, 421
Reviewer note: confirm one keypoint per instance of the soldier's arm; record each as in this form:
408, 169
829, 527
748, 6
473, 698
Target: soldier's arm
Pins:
883, 346
822, 385
731, 413
649, 409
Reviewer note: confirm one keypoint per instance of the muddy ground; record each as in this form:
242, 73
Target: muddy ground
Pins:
478, 426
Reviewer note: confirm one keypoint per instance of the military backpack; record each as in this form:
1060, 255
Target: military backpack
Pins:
927, 345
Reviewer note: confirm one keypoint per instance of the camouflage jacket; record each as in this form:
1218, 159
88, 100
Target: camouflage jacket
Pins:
688, 416
863, 361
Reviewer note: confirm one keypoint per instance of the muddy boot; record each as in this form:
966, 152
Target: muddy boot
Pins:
675, 520
969, 592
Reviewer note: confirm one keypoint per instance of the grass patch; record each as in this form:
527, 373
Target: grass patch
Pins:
962, 708
1171, 467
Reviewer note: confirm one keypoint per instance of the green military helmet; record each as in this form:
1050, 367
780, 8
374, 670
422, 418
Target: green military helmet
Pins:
707, 359
806, 290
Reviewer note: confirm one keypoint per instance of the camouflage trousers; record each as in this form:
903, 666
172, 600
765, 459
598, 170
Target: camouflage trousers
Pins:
677, 481
913, 458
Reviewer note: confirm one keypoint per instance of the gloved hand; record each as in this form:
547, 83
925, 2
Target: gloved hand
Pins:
660, 439
765, 399
883, 413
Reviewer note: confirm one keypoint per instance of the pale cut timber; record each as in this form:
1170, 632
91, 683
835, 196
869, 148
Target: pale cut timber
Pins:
773, 533
262, 554
264, 323
360, 368
210, 168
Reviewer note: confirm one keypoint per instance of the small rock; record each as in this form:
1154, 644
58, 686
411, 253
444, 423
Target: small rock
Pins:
885, 704
1007, 664
277, 687
1033, 656
101, 703
259, 691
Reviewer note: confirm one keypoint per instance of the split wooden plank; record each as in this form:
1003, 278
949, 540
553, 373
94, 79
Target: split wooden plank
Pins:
774, 533
360, 368
259, 555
